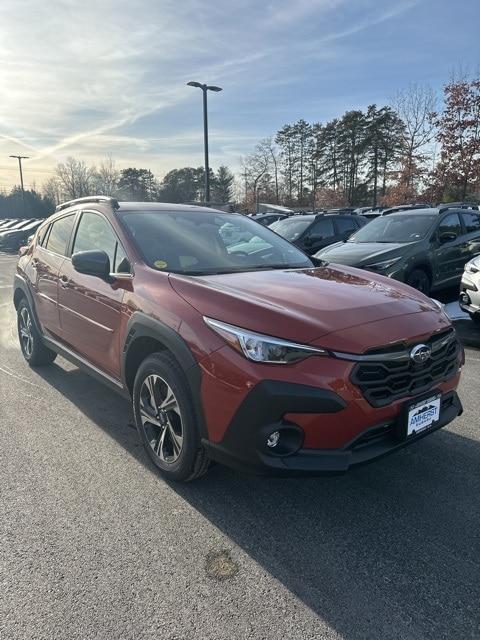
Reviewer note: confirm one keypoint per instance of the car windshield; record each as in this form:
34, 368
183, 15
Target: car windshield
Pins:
208, 242
291, 228
394, 228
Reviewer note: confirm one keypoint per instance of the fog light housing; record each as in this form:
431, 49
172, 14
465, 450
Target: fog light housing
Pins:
273, 439
280, 439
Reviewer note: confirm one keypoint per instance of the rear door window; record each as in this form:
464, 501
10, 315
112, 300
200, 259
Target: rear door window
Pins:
323, 228
345, 225
450, 224
471, 221
42, 235
59, 236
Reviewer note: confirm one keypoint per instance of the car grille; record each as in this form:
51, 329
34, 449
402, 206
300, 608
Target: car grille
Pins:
385, 380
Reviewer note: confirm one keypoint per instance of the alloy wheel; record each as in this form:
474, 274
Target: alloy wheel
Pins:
25, 329
161, 418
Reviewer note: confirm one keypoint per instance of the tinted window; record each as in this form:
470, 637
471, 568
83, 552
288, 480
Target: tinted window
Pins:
472, 222
202, 242
346, 225
59, 235
42, 235
94, 233
323, 228
291, 228
450, 224
398, 227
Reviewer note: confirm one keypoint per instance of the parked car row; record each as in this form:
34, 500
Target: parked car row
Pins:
315, 231
14, 232
426, 248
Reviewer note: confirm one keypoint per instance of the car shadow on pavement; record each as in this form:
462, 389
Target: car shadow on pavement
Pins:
390, 550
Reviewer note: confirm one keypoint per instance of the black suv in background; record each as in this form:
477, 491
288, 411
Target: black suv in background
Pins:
426, 248
312, 232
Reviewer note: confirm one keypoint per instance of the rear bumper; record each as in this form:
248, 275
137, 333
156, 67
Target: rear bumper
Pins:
244, 444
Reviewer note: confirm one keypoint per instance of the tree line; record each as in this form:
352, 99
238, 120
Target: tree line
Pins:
408, 151
75, 179
400, 153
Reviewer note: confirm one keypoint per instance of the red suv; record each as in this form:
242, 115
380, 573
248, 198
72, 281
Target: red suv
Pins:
235, 347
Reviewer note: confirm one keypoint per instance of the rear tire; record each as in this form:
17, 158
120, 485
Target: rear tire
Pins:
420, 280
166, 420
31, 344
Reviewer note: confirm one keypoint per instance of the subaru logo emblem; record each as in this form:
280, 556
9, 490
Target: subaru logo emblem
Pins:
420, 353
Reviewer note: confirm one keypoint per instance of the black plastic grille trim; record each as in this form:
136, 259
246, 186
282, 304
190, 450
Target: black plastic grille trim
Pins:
383, 382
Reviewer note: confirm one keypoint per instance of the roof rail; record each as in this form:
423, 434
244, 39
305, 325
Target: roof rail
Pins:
106, 199
458, 205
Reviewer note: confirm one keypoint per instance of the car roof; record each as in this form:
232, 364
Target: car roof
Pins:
130, 207
270, 214
164, 206
432, 211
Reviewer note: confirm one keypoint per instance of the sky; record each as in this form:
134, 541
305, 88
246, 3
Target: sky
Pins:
108, 78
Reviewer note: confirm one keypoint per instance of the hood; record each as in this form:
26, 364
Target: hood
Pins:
300, 304
363, 253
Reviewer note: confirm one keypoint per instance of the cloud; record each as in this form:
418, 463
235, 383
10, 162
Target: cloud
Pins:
93, 78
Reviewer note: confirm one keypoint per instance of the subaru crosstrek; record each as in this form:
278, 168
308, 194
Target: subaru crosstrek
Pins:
250, 354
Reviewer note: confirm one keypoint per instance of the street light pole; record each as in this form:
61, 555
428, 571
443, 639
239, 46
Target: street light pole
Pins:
205, 147
20, 158
205, 88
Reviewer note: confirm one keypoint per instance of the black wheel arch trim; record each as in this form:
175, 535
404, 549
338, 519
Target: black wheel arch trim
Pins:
421, 265
141, 325
20, 284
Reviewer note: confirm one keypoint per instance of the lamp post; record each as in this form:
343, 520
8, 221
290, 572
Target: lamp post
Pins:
20, 158
205, 88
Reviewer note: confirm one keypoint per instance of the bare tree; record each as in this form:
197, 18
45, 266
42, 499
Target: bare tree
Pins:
51, 190
75, 179
107, 177
254, 168
271, 154
415, 106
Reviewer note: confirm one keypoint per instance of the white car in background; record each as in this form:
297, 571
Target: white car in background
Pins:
470, 289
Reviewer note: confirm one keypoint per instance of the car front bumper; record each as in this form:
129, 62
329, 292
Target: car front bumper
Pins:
469, 300
245, 448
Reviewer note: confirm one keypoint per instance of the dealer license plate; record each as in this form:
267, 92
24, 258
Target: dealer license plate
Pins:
423, 414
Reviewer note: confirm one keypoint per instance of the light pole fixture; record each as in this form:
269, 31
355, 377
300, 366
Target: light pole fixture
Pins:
205, 88
20, 158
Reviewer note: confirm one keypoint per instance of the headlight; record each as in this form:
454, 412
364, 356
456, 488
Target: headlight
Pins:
440, 306
260, 348
473, 266
382, 266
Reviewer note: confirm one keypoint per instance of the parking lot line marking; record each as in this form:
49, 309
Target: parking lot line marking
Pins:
21, 378
6, 286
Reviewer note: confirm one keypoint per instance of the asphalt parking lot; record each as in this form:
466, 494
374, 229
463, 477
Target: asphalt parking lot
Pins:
95, 544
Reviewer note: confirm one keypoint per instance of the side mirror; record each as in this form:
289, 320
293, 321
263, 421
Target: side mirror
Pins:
92, 263
447, 236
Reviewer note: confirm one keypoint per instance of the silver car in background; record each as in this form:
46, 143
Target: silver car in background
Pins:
470, 289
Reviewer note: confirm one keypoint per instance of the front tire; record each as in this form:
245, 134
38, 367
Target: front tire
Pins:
33, 349
419, 279
165, 419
